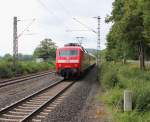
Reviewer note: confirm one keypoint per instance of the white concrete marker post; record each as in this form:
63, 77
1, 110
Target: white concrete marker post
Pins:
127, 100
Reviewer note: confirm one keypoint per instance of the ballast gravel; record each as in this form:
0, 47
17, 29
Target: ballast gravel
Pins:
12, 93
75, 104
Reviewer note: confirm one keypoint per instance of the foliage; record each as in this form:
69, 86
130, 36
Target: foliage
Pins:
110, 79
130, 77
25, 57
7, 57
132, 117
5, 70
129, 36
46, 49
23, 67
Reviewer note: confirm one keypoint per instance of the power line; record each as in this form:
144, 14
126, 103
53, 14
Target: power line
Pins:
26, 28
47, 9
64, 8
85, 25
68, 12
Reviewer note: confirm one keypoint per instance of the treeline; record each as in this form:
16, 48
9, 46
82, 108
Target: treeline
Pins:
26, 64
129, 37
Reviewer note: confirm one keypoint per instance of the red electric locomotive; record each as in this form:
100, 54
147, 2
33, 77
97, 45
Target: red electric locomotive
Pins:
72, 60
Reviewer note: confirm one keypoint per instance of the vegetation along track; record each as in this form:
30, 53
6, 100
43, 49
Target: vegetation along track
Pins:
27, 109
23, 78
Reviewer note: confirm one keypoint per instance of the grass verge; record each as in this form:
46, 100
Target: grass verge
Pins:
115, 78
7, 70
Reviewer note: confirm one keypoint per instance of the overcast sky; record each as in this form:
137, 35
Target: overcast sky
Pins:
53, 19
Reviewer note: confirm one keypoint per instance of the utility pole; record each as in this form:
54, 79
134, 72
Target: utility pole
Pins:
15, 41
98, 45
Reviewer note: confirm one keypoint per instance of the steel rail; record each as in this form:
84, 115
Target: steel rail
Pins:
13, 81
30, 116
24, 76
28, 97
40, 107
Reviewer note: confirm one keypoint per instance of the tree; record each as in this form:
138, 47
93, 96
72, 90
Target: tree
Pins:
24, 57
46, 49
129, 35
8, 57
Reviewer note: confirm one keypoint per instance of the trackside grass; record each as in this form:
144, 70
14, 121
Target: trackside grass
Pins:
115, 78
23, 67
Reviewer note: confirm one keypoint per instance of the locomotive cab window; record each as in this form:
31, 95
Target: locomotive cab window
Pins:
68, 53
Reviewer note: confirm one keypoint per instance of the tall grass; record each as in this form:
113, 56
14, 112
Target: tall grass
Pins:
115, 78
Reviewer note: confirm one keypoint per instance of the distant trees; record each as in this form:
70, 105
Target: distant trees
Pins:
22, 57
129, 36
46, 49
7, 57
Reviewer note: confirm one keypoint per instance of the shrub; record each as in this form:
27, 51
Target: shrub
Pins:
110, 78
142, 100
23, 67
6, 70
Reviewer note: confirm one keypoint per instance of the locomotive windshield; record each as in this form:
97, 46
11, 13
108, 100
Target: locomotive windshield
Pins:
68, 53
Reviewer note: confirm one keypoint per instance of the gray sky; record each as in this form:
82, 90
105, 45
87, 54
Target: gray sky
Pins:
52, 20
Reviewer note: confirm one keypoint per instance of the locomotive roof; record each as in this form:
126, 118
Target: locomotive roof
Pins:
74, 47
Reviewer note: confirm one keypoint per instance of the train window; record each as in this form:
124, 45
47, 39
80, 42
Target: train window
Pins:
68, 53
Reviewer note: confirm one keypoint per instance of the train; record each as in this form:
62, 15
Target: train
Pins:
73, 60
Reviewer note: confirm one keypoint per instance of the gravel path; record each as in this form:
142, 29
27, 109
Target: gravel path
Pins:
94, 110
10, 94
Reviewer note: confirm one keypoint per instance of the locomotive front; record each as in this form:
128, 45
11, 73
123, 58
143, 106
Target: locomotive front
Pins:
68, 61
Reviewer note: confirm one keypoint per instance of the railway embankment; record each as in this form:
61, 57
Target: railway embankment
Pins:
14, 92
115, 78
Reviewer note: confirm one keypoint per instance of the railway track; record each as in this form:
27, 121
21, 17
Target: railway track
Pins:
27, 109
23, 78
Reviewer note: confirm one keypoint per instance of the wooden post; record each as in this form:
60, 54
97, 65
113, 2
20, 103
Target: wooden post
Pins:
127, 100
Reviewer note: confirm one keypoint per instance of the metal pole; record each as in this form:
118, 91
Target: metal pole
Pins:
98, 40
15, 41
98, 45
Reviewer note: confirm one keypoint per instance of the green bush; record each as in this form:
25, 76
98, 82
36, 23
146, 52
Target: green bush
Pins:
110, 79
5, 70
23, 67
109, 76
142, 100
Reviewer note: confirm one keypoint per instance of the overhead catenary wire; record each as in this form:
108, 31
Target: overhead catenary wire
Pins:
75, 19
64, 8
48, 10
90, 29
26, 28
